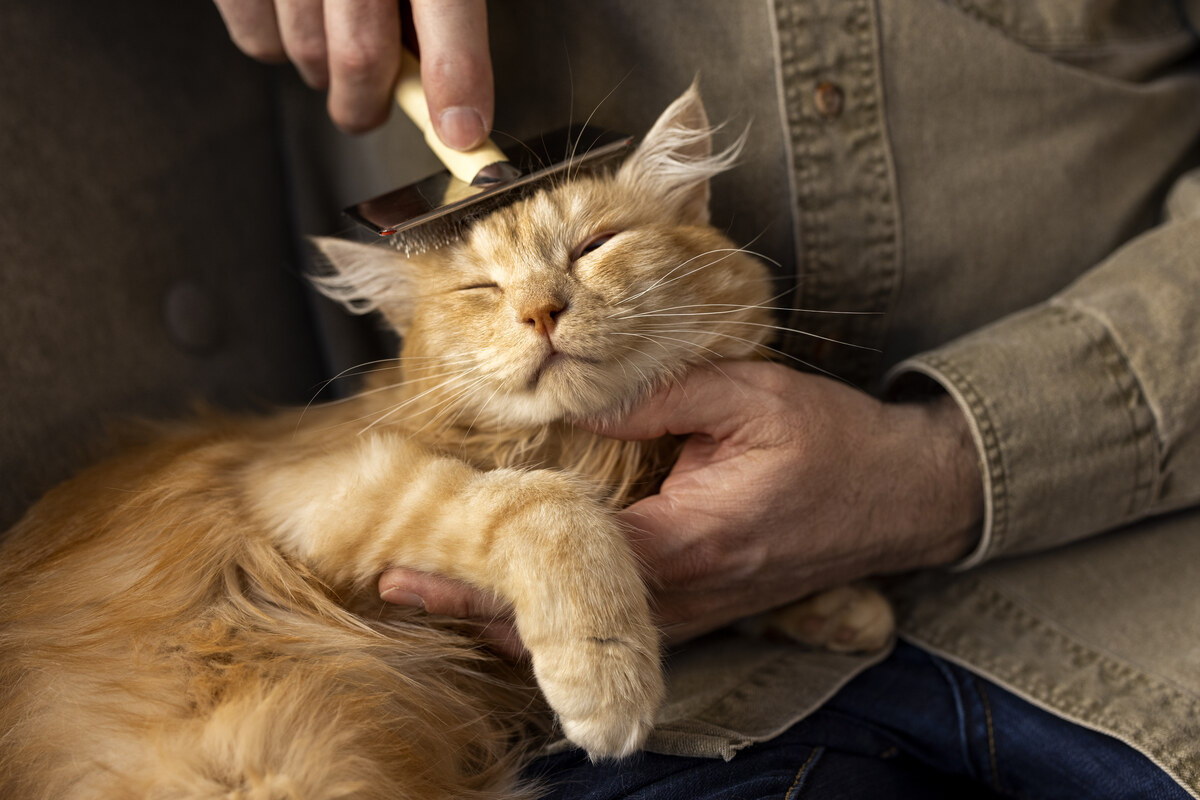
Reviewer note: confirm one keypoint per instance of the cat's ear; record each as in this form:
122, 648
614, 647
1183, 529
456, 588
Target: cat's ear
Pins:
365, 278
676, 161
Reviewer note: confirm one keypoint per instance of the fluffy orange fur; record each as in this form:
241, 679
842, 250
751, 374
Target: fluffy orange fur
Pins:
197, 618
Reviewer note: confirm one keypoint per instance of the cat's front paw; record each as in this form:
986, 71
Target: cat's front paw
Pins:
845, 619
606, 689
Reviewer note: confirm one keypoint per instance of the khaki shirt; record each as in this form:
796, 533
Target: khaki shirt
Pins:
1007, 184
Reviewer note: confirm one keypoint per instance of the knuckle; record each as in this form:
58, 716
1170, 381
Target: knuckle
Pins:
363, 63
358, 118
259, 46
459, 69
308, 51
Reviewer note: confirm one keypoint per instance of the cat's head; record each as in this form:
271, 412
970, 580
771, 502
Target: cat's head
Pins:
577, 300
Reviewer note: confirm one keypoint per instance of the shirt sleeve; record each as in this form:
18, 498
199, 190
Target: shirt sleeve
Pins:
1086, 408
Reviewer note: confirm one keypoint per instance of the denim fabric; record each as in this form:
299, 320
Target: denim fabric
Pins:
914, 726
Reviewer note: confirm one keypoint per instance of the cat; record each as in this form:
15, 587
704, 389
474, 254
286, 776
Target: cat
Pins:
198, 617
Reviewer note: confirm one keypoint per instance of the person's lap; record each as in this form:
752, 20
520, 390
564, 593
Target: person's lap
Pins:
914, 726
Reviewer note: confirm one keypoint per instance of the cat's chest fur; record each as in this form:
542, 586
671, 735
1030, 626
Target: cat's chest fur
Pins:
616, 472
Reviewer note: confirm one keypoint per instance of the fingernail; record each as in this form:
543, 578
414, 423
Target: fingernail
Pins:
402, 598
461, 127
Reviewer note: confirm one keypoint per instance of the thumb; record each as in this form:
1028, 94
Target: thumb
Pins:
456, 69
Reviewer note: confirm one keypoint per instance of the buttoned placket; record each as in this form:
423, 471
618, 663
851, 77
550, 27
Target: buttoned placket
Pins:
847, 223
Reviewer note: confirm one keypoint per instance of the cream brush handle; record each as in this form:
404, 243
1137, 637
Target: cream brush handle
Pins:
410, 95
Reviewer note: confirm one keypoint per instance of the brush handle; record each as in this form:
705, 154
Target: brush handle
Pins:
410, 95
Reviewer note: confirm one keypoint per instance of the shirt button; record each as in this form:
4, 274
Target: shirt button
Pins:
829, 99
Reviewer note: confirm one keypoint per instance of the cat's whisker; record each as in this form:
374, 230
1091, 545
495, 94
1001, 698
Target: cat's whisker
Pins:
744, 249
574, 147
369, 367
733, 308
453, 402
688, 342
432, 412
702, 328
392, 387
482, 406
415, 398
355, 370
767, 305
782, 354
729, 253
534, 154
756, 254
661, 367
663, 281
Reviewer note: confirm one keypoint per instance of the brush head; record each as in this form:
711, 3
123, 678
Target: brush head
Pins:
437, 210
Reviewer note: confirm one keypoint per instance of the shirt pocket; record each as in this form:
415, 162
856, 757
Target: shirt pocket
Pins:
1128, 40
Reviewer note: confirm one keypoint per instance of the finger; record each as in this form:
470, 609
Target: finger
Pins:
501, 635
363, 37
440, 595
253, 28
456, 69
302, 31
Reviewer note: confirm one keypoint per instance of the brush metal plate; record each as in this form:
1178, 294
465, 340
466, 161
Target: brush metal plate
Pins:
437, 209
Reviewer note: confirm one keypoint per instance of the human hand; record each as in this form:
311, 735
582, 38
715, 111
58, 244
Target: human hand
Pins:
788, 484
352, 48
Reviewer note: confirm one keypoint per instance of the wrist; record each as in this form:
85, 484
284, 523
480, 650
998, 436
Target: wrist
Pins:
938, 484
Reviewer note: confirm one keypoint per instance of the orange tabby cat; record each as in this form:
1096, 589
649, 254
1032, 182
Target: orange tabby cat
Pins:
198, 618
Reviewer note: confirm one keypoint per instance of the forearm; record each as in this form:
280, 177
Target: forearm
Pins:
1085, 410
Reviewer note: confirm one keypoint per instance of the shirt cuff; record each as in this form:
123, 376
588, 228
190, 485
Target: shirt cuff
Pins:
1065, 437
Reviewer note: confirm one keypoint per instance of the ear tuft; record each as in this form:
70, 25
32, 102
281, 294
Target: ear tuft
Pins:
676, 157
365, 278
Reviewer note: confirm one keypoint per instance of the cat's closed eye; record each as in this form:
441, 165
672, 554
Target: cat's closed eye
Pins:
473, 286
592, 244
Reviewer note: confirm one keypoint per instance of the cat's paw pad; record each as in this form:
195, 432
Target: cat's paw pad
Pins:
846, 619
606, 692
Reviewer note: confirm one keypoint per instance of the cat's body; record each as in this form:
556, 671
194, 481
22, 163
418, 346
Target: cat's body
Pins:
198, 618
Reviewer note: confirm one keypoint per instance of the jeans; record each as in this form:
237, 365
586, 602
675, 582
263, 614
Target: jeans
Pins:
914, 726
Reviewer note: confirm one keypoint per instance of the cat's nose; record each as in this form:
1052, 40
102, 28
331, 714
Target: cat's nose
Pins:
543, 316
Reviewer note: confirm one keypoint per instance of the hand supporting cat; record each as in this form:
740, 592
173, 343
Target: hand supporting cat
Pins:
789, 484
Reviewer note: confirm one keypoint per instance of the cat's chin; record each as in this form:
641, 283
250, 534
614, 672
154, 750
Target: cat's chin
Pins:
562, 395
543, 407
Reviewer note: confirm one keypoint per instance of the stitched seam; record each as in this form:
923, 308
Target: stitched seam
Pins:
798, 783
991, 731
1029, 37
1173, 750
1125, 381
993, 452
842, 174
960, 711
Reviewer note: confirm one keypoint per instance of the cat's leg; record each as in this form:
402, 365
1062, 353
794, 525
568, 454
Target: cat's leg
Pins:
534, 537
846, 619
